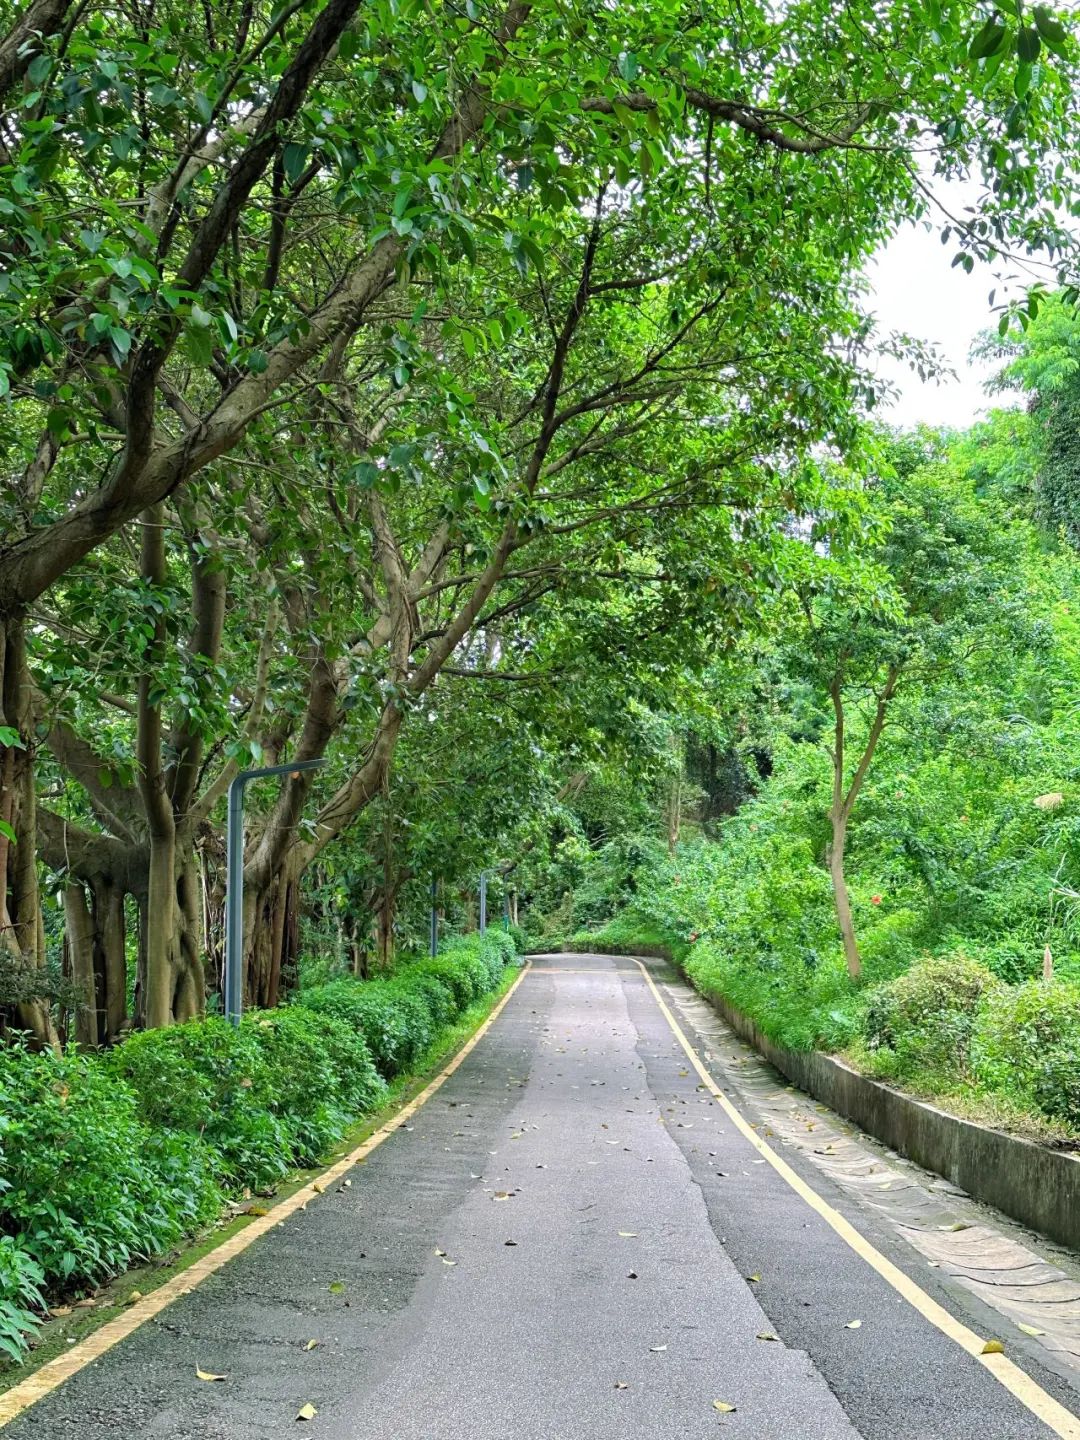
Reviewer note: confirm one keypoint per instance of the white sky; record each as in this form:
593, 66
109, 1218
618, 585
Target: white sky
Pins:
914, 289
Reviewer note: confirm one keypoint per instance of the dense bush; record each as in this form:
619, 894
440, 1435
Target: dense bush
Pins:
921, 1023
105, 1159
399, 1016
88, 1185
1027, 1045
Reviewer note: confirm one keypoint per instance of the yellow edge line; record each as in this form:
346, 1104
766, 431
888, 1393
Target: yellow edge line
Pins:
29, 1391
1060, 1421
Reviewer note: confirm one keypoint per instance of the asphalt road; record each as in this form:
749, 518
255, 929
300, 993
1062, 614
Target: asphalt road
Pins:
558, 1245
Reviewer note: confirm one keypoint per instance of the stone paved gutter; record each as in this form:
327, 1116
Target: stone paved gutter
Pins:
1031, 1183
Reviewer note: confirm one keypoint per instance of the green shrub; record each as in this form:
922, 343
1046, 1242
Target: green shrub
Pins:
497, 949
517, 936
320, 1077
88, 1186
1027, 1045
21, 1279
270, 1095
925, 1017
458, 979
210, 1079
381, 1012
435, 990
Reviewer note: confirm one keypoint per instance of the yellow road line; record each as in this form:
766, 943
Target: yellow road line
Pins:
1054, 1415
29, 1391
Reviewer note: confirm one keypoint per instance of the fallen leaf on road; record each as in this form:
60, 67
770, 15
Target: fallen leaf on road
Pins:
621, 1385
993, 1347
632, 1275
765, 1335
853, 1325
307, 1412
206, 1375
318, 1189
754, 1279
501, 1195
337, 1287
447, 1261
135, 1295
628, 1234
723, 1407
657, 1349
311, 1344
1027, 1329
510, 1242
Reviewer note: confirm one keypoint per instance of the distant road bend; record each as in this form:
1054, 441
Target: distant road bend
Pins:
577, 1238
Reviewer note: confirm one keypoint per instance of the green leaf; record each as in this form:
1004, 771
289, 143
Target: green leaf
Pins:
294, 159
8, 832
1051, 29
1028, 44
988, 40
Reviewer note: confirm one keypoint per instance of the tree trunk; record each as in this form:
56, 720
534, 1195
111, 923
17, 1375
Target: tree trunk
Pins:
841, 897
674, 812
79, 936
110, 923
384, 930
160, 930
22, 937
271, 935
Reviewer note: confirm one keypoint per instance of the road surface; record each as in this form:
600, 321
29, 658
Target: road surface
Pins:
572, 1238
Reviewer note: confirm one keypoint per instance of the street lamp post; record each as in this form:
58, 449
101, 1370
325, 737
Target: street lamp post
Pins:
434, 939
234, 888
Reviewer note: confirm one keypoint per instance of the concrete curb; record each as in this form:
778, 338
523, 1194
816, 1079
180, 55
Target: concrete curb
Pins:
1031, 1183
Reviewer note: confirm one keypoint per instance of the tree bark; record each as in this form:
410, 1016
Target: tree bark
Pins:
22, 937
843, 803
841, 897
79, 937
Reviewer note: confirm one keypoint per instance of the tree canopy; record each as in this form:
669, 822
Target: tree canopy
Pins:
361, 364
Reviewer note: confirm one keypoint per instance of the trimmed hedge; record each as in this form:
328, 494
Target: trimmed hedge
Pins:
399, 1016
106, 1159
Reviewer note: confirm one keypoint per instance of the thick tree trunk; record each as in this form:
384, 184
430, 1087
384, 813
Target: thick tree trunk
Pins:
79, 944
161, 926
22, 934
110, 923
271, 936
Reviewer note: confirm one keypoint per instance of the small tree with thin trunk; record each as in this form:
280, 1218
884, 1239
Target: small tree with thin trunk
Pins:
911, 599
